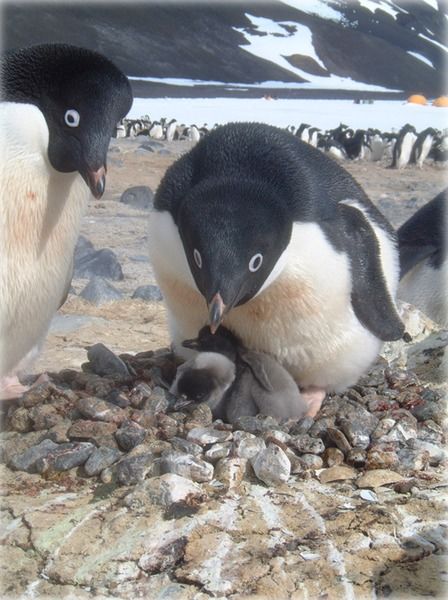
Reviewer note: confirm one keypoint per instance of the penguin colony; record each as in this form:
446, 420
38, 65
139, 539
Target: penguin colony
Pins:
404, 147
60, 105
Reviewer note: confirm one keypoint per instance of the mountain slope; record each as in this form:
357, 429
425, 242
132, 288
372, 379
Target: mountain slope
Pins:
372, 45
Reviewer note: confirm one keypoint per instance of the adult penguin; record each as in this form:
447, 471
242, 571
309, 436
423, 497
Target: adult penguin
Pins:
264, 233
423, 259
59, 107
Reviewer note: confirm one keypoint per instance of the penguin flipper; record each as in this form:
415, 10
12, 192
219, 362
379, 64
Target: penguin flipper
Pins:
68, 283
255, 364
371, 300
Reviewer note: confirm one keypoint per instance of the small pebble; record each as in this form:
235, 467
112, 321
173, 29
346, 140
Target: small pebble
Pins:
97, 409
338, 438
248, 447
133, 469
139, 394
311, 461
337, 473
186, 465
65, 457
217, 451
271, 465
130, 435
378, 478
307, 444
100, 459
231, 471
208, 435
356, 457
104, 362
20, 420
186, 446
27, 460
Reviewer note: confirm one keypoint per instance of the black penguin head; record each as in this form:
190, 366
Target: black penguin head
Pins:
233, 232
223, 342
82, 96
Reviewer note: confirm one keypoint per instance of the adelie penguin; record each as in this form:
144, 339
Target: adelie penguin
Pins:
260, 231
235, 381
423, 259
403, 146
59, 108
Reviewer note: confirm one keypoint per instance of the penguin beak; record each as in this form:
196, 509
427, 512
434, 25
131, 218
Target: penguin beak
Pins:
216, 312
96, 180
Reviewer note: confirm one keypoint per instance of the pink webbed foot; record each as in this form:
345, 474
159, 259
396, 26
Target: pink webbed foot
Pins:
313, 397
12, 389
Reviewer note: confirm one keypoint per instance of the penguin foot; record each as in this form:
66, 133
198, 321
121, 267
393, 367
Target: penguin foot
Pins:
313, 397
11, 388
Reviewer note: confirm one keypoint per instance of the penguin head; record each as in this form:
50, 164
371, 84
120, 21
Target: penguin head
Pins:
82, 96
233, 232
223, 342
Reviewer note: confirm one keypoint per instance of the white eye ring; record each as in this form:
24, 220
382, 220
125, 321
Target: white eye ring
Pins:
197, 258
72, 118
255, 262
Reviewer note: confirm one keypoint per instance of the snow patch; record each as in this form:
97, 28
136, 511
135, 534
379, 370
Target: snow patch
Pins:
315, 7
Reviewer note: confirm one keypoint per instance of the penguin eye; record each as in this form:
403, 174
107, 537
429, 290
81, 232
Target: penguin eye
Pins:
255, 262
72, 118
197, 258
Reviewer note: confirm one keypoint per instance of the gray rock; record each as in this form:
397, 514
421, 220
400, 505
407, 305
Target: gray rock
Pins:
139, 394
130, 435
333, 457
208, 435
271, 465
99, 291
83, 248
65, 457
356, 433
151, 145
436, 453
27, 460
186, 446
186, 465
97, 409
218, 451
20, 420
103, 263
338, 438
230, 471
133, 469
158, 401
248, 447
84, 430
307, 444
302, 426
149, 293
100, 459
311, 461
257, 424
44, 416
430, 432
139, 196
104, 362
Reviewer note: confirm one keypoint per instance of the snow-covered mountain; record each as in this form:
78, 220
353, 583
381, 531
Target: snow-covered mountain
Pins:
288, 47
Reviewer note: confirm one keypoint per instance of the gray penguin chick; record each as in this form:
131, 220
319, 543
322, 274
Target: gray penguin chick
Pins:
235, 381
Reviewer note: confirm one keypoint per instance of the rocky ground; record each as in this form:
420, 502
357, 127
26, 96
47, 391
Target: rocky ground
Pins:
111, 490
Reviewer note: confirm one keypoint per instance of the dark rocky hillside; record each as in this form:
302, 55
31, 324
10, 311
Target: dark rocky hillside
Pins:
202, 41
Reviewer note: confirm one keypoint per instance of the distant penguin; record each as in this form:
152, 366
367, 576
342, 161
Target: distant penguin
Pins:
171, 130
302, 132
422, 146
120, 130
423, 259
439, 150
59, 107
156, 131
313, 136
237, 382
403, 146
193, 134
335, 150
282, 247
356, 145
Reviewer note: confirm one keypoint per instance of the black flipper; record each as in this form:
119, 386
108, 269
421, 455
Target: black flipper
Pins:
371, 300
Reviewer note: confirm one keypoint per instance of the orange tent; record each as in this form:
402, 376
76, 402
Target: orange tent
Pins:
441, 101
417, 99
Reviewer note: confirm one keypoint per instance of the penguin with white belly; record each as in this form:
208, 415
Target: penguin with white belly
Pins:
403, 146
59, 108
260, 231
424, 261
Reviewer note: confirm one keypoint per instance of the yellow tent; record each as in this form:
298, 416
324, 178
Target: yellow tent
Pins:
441, 101
417, 99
